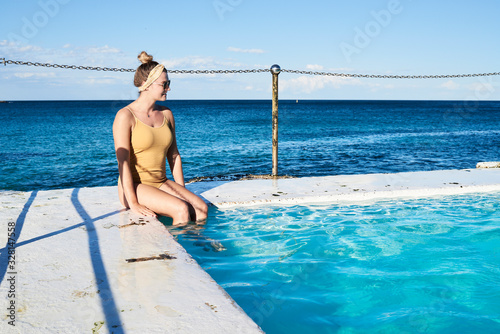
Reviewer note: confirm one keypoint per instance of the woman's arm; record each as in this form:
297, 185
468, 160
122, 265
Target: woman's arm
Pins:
173, 156
122, 128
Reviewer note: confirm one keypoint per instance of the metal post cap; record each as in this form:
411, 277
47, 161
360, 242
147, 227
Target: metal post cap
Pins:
276, 69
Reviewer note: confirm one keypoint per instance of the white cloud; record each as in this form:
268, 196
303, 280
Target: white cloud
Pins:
314, 67
309, 83
24, 75
100, 81
68, 54
103, 49
233, 49
450, 84
189, 62
485, 84
200, 63
105, 55
8, 48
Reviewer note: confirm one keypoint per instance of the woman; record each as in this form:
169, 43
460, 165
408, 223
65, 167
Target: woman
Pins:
144, 135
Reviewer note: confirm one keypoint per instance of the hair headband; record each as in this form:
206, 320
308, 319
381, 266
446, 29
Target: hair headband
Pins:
153, 75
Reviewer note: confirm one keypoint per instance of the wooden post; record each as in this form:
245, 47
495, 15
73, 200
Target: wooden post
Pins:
275, 70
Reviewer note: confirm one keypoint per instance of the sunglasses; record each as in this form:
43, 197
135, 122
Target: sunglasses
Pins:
165, 85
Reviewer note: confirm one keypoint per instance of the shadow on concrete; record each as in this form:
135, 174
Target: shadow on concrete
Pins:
113, 321
48, 235
4, 255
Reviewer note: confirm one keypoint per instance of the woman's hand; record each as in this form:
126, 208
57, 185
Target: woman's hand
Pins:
142, 210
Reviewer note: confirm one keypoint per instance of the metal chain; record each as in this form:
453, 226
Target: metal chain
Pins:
110, 69
389, 76
73, 67
344, 75
217, 71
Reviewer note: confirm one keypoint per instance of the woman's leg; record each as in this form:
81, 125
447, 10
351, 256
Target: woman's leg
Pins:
163, 203
199, 206
170, 200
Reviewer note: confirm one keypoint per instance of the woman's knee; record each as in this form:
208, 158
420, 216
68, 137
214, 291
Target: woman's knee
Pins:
201, 210
182, 213
204, 208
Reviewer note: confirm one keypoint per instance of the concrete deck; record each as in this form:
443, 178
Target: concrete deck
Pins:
72, 275
347, 188
82, 264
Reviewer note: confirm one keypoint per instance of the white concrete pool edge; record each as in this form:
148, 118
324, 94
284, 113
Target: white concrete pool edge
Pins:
71, 268
84, 265
353, 188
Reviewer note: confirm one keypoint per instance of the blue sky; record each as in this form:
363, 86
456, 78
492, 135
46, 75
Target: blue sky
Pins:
409, 37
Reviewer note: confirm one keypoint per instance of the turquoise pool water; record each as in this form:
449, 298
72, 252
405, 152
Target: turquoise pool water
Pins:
401, 266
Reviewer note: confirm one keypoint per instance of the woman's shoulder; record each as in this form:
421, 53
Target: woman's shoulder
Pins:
124, 115
125, 111
164, 109
167, 113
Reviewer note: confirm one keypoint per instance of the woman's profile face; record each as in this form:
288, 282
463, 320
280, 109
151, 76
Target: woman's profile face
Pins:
160, 87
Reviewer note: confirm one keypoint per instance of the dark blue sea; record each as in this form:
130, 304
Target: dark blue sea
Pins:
65, 144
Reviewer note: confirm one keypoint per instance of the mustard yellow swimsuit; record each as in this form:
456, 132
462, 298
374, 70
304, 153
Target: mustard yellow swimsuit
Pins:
148, 152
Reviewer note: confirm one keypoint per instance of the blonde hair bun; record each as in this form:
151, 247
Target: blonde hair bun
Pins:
145, 58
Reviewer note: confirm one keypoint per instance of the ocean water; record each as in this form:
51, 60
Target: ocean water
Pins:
64, 144
401, 266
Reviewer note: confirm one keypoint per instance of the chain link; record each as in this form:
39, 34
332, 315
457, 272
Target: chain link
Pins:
390, 76
216, 71
72, 67
110, 69
343, 75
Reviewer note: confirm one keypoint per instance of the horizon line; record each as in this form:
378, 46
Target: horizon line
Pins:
269, 99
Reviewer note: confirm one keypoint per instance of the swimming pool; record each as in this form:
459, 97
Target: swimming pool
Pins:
410, 265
